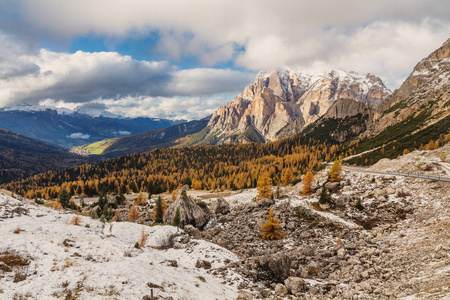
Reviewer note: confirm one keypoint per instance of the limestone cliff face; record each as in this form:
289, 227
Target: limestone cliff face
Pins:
280, 103
426, 88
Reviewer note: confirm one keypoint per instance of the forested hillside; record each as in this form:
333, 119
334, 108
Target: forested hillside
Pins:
21, 157
231, 166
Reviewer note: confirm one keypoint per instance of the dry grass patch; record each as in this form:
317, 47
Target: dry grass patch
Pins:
10, 259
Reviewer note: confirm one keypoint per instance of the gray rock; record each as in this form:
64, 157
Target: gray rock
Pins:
280, 290
20, 211
190, 213
333, 187
244, 296
185, 188
221, 206
295, 285
265, 202
276, 267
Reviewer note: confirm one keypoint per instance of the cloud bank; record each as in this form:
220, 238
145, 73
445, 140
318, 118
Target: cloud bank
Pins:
383, 37
82, 78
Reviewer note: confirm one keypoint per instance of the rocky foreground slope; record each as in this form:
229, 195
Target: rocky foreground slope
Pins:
394, 244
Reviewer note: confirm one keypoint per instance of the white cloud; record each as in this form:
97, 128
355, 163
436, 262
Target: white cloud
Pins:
383, 37
348, 34
79, 135
93, 79
187, 108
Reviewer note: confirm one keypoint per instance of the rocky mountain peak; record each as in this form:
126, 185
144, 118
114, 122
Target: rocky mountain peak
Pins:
290, 99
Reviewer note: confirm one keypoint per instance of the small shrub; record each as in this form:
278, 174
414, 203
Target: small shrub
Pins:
143, 239
202, 204
17, 230
271, 229
13, 259
76, 220
359, 205
18, 277
37, 201
325, 197
295, 181
53, 204
137, 245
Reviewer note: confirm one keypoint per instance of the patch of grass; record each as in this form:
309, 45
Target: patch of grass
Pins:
447, 104
397, 106
252, 135
12, 259
404, 139
95, 148
202, 204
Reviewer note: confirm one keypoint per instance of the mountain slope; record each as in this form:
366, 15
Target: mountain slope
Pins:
290, 100
172, 136
21, 157
426, 87
66, 129
419, 111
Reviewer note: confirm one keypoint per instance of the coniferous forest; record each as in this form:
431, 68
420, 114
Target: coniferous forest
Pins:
230, 166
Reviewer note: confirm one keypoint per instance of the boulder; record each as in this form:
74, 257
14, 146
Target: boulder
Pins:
20, 211
221, 206
295, 285
280, 290
244, 296
265, 202
276, 267
343, 200
190, 213
333, 187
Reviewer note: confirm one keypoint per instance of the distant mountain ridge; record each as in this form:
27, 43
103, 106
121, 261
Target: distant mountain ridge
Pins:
66, 128
177, 135
21, 157
280, 103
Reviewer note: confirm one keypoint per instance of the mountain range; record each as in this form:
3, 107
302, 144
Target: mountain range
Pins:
356, 111
65, 128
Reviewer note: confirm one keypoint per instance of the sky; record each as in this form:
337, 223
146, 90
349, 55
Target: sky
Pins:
183, 59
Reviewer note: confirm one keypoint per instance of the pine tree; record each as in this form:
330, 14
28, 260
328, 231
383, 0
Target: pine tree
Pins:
287, 177
271, 229
264, 188
325, 196
158, 213
64, 198
177, 218
335, 172
307, 184
134, 214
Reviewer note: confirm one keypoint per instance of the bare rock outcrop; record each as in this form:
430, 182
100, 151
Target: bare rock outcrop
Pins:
280, 103
190, 212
